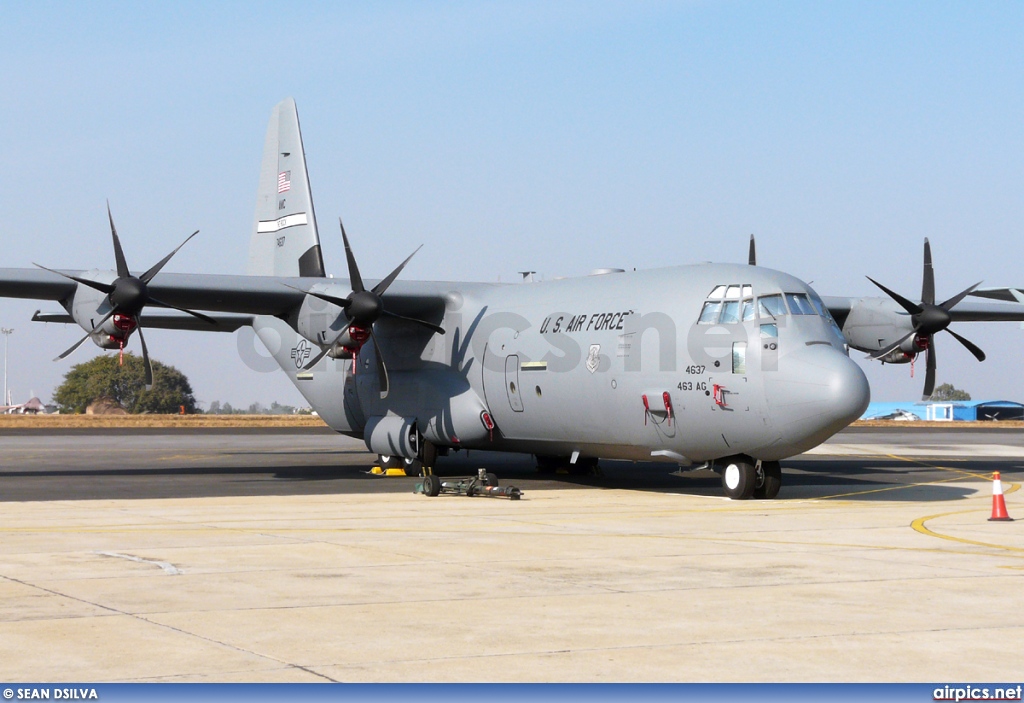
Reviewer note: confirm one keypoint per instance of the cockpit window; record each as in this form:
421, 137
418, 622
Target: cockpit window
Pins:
799, 304
730, 311
748, 310
709, 315
728, 304
771, 306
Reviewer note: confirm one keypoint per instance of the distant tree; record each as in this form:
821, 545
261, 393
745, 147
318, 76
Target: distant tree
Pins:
214, 408
104, 376
947, 392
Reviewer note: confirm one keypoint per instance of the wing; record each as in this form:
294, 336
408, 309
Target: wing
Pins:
245, 295
165, 321
1010, 295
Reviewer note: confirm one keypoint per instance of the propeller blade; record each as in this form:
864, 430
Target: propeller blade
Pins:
73, 347
93, 331
148, 275
879, 354
353, 269
323, 352
928, 279
422, 323
929, 376
341, 302
752, 252
910, 307
382, 370
383, 285
147, 365
122, 265
101, 287
971, 346
193, 313
949, 304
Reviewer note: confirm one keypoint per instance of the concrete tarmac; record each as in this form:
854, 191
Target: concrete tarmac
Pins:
233, 556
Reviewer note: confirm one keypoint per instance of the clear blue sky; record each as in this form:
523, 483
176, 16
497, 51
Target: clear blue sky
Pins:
554, 136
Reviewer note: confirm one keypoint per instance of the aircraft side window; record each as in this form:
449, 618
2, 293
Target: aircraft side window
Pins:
709, 315
748, 291
799, 304
730, 312
770, 331
771, 306
739, 357
718, 293
748, 310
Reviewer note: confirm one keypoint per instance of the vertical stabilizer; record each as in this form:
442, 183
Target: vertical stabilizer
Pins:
284, 239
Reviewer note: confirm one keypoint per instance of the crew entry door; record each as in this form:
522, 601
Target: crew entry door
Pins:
512, 382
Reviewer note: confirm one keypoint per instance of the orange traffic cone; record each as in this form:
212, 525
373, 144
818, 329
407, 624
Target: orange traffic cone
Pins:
998, 502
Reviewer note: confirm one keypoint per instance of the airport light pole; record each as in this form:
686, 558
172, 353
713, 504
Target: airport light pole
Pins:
7, 335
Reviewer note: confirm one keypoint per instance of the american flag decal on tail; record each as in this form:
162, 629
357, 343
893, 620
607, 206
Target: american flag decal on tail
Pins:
284, 181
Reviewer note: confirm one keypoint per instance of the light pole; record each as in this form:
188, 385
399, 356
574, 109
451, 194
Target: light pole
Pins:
7, 335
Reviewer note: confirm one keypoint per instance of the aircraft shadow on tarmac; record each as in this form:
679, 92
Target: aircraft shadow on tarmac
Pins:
803, 479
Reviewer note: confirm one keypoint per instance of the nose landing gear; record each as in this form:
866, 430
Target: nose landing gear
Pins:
743, 478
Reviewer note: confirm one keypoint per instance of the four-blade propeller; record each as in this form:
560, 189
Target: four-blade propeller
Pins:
928, 319
363, 308
127, 296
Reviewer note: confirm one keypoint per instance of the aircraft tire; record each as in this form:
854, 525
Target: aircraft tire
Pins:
431, 486
492, 479
413, 467
389, 462
584, 467
738, 479
550, 464
771, 480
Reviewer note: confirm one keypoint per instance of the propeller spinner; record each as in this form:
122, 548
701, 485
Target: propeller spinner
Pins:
127, 296
363, 308
928, 319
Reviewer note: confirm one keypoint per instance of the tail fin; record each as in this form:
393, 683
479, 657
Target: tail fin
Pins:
284, 239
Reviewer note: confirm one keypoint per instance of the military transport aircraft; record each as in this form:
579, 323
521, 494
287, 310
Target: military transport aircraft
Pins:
723, 366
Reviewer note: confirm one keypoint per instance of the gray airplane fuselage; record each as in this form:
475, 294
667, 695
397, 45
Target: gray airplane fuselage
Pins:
619, 365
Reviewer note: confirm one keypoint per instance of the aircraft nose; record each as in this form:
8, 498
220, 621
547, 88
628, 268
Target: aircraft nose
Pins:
816, 392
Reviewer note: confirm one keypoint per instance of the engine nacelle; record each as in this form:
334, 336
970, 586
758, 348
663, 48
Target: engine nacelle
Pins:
392, 436
88, 306
897, 356
318, 320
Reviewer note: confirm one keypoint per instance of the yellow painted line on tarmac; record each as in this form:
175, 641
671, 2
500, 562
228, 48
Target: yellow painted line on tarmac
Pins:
961, 473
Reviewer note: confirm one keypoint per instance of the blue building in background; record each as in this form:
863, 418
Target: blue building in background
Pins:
946, 410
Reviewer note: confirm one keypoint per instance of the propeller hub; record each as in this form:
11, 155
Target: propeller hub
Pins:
931, 319
364, 308
129, 295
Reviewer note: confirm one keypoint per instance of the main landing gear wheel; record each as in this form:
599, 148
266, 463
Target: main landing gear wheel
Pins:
413, 467
769, 480
390, 462
550, 464
738, 479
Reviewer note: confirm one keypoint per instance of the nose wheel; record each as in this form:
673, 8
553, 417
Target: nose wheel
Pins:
739, 479
743, 479
768, 480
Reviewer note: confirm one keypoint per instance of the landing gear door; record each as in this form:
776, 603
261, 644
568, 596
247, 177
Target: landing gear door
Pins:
512, 382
